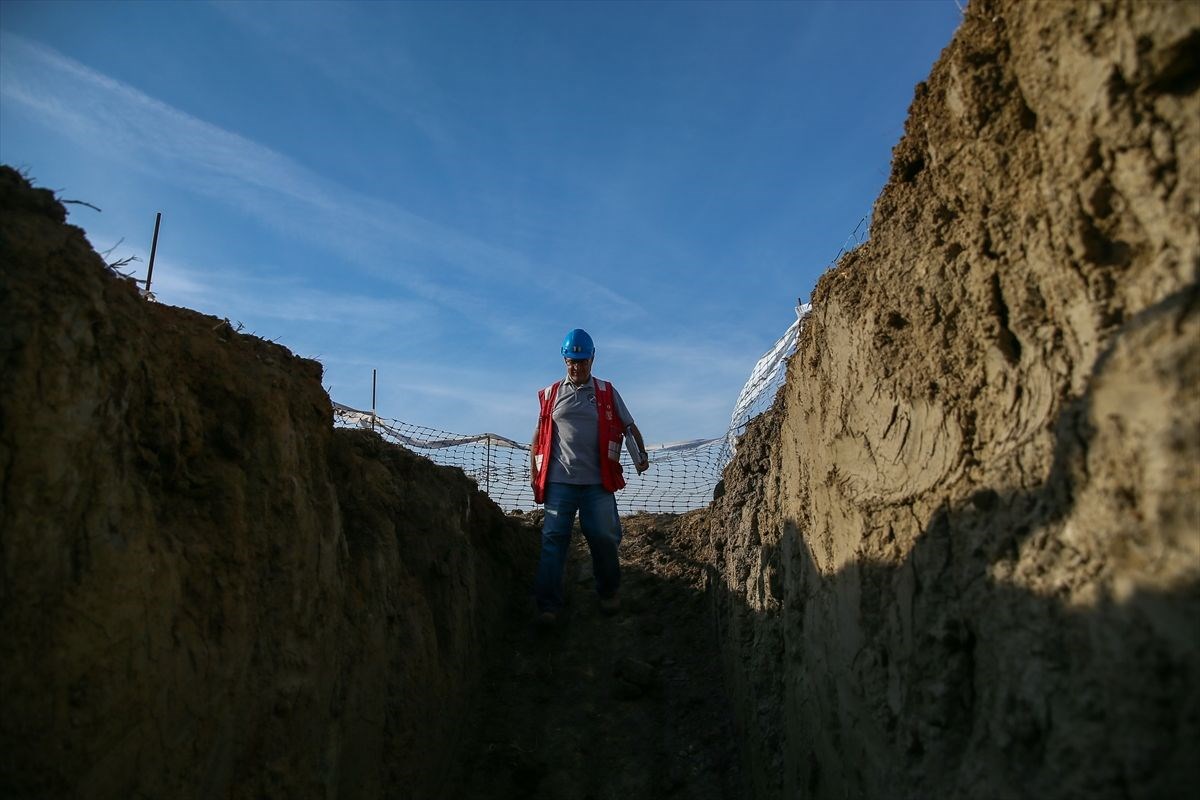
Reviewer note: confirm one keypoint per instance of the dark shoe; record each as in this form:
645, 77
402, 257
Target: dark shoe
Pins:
610, 605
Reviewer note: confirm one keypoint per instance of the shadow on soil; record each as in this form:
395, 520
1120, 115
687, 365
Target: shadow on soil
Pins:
936, 677
599, 707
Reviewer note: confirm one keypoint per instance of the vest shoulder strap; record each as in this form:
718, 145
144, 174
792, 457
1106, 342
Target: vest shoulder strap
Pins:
549, 391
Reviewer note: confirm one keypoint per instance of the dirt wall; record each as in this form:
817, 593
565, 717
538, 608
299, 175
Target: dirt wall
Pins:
205, 590
961, 556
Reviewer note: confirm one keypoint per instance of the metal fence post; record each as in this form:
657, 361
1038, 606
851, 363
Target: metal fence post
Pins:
153, 249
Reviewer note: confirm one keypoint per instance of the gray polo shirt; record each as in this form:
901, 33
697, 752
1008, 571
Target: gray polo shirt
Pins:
575, 447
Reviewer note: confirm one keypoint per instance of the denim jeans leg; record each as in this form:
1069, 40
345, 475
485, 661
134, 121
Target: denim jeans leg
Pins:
562, 501
602, 528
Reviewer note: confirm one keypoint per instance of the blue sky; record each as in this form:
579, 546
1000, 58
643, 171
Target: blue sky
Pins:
441, 190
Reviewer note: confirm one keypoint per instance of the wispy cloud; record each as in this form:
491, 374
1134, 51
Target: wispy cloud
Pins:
440, 265
695, 353
265, 292
414, 391
277, 297
318, 34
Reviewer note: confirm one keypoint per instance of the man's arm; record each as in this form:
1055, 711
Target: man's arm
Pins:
533, 458
633, 431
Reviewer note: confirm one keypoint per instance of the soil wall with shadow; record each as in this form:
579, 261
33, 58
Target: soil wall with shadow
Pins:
206, 590
960, 557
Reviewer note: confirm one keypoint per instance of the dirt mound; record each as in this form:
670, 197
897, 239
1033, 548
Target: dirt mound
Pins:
205, 590
961, 556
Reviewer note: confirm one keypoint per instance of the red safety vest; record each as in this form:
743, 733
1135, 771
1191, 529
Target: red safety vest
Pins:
611, 434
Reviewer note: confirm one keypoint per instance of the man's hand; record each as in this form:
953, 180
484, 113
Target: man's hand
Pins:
644, 465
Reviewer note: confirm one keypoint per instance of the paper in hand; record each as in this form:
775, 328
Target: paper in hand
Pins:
631, 447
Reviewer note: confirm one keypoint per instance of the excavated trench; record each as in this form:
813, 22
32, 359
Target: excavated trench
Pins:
959, 557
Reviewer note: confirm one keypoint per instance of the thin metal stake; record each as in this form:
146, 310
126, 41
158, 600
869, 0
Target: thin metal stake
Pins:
153, 250
487, 472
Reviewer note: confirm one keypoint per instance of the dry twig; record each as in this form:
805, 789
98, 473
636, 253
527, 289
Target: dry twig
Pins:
81, 203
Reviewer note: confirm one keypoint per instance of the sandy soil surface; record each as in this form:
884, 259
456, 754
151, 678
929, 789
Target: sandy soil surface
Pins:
599, 708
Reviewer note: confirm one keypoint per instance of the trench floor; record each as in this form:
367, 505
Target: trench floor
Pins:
612, 708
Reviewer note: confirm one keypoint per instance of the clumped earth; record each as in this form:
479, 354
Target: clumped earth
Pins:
612, 707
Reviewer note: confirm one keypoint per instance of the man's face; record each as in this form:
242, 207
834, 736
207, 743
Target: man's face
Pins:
578, 371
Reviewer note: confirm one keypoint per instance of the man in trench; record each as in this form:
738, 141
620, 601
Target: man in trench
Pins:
574, 467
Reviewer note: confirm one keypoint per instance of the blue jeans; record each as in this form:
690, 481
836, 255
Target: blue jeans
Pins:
601, 527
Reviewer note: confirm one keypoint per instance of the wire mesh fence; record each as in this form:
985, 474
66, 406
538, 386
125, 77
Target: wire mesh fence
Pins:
682, 475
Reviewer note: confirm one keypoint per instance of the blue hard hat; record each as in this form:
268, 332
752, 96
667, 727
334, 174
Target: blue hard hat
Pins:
578, 346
